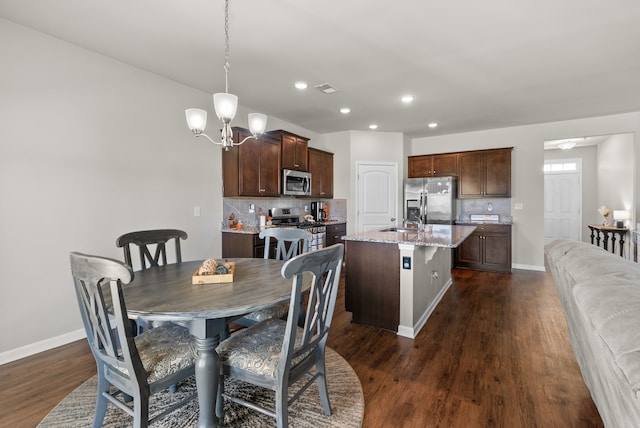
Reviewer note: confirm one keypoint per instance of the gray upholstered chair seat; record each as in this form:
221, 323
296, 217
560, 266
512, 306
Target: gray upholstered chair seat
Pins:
165, 350
278, 311
299, 241
257, 348
276, 354
130, 368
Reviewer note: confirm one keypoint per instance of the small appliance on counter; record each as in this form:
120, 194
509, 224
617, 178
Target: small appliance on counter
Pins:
318, 211
481, 218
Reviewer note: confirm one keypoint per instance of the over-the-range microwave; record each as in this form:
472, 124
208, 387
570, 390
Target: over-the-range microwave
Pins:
296, 183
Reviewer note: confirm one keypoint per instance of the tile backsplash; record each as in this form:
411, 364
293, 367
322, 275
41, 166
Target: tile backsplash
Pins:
500, 206
240, 208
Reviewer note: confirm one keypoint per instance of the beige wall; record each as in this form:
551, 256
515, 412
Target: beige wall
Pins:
352, 147
527, 162
90, 148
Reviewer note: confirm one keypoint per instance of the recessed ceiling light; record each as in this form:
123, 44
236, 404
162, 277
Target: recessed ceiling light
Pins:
301, 85
433, 125
345, 110
407, 99
373, 126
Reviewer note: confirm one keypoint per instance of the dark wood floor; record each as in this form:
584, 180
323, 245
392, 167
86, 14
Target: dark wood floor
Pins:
495, 353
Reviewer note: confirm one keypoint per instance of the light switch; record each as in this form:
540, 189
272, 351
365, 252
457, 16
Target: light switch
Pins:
196, 211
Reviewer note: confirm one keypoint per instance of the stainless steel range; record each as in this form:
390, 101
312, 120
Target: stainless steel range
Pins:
290, 217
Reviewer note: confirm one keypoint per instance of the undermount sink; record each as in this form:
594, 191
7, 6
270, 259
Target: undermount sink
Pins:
400, 229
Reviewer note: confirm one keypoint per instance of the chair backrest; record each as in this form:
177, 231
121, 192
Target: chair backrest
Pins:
114, 349
325, 266
144, 238
299, 240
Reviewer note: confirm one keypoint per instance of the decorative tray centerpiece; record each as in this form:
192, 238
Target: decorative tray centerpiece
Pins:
212, 272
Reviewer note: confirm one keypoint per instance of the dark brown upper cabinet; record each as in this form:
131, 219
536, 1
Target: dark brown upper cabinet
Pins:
294, 150
484, 174
439, 165
253, 168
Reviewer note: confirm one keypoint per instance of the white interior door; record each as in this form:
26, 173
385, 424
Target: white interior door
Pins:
562, 206
377, 195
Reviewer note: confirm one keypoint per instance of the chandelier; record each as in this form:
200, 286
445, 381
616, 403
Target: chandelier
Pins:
225, 105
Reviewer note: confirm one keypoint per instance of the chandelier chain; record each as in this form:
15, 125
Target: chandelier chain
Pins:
226, 45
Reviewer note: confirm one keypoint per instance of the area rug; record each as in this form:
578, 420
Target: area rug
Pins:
345, 394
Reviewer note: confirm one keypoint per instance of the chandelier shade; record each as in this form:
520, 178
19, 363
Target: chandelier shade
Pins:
225, 106
196, 119
257, 123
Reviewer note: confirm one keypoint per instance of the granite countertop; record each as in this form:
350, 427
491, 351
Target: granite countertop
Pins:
251, 230
441, 236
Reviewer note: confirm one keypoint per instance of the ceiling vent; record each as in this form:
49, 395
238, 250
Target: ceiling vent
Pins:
326, 88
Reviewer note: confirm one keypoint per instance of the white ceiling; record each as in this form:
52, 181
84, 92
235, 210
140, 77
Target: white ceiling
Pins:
470, 65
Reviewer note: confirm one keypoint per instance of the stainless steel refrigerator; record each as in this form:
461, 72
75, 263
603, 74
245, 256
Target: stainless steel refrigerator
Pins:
430, 200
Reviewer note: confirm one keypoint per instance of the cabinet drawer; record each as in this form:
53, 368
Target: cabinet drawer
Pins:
337, 229
335, 232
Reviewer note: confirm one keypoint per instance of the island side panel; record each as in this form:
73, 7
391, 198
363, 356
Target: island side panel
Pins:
372, 287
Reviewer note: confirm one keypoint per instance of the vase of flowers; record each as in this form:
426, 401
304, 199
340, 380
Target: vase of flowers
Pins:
604, 212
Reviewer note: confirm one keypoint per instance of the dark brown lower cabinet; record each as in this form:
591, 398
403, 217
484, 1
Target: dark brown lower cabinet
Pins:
335, 232
488, 248
242, 245
372, 286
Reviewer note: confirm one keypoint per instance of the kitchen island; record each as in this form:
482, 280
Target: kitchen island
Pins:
395, 277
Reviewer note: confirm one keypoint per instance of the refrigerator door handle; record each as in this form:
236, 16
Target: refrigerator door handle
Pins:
421, 212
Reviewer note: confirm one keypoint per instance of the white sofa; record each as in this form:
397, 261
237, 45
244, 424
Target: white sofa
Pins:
600, 293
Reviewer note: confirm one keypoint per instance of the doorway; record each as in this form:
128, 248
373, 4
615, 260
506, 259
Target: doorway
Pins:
376, 195
562, 200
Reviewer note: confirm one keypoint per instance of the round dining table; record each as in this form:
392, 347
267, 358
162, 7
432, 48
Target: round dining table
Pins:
166, 293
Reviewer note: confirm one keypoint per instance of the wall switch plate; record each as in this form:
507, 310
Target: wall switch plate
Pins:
196, 211
518, 206
406, 262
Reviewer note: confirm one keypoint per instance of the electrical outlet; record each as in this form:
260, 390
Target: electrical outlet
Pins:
196, 211
252, 208
306, 208
406, 262
434, 274
518, 206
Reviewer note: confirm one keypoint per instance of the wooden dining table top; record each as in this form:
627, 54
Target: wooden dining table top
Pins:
167, 293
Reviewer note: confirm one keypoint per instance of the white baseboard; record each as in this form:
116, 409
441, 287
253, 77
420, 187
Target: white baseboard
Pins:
529, 267
43, 345
411, 333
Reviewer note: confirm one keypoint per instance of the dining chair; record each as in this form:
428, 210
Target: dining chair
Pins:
274, 354
128, 366
144, 239
298, 241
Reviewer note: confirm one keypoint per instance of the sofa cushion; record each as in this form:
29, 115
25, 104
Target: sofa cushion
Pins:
611, 304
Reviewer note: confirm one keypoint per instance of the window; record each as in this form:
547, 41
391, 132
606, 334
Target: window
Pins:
560, 165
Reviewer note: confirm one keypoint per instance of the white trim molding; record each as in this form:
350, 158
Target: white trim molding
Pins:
43, 345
